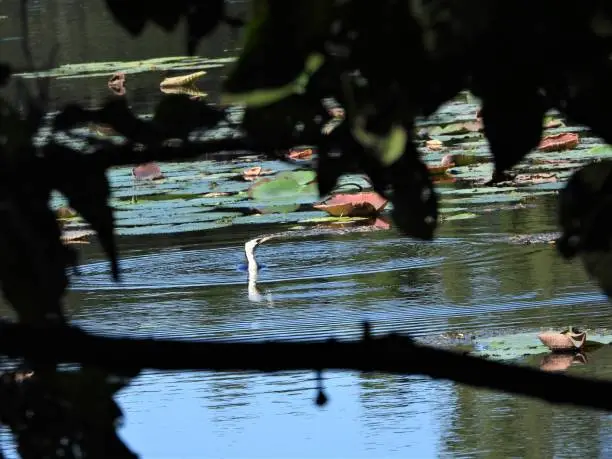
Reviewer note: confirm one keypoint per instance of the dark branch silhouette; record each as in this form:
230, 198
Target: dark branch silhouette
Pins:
391, 353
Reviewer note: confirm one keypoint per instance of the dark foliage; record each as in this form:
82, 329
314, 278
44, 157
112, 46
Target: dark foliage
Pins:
297, 54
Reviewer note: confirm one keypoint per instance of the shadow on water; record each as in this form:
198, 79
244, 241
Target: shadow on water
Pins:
472, 278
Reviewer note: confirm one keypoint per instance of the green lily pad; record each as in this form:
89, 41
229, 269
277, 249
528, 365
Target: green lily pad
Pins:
600, 150
170, 229
292, 217
515, 346
330, 219
459, 216
285, 186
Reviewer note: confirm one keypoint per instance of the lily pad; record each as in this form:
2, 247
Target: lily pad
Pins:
601, 150
331, 219
518, 345
459, 216
90, 69
286, 185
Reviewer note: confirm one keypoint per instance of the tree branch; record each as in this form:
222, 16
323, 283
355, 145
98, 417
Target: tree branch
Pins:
391, 354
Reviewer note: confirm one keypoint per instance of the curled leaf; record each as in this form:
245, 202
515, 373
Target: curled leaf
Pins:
182, 80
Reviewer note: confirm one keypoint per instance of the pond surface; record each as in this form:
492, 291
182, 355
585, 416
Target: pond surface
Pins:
181, 283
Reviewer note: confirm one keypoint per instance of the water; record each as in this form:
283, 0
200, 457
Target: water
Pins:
470, 280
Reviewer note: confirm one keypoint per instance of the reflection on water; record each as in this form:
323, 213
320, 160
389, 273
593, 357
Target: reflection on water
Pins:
470, 279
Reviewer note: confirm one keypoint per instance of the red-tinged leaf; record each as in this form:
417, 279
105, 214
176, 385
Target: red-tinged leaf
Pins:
296, 154
148, 171
438, 170
559, 142
253, 173
363, 204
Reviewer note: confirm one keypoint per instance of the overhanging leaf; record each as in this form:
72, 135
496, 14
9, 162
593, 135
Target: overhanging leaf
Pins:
415, 201
513, 126
85, 185
202, 18
279, 38
130, 14
585, 207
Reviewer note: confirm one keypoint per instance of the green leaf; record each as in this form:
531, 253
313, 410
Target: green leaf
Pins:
601, 150
286, 185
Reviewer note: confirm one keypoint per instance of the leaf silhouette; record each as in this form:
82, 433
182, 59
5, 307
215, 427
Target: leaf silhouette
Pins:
278, 38
130, 14
415, 201
202, 19
513, 126
585, 205
407, 184
85, 185
177, 115
328, 171
590, 102
5, 73
114, 113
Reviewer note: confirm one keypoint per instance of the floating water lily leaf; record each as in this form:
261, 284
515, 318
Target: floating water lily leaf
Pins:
552, 122
332, 219
600, 150
284, 185
437, 170
460, 216
302, 177
291, 217
517, 345
558, 142
434, 145
300, 154
457, 128
89, 69
278, 209
253, 173
364, 204
148, 171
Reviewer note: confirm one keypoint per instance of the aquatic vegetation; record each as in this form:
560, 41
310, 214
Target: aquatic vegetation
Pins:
360, 204
558, 142
182, 80
149, 171
253, 173
300, 154
116, 83
103, 69
516, 346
